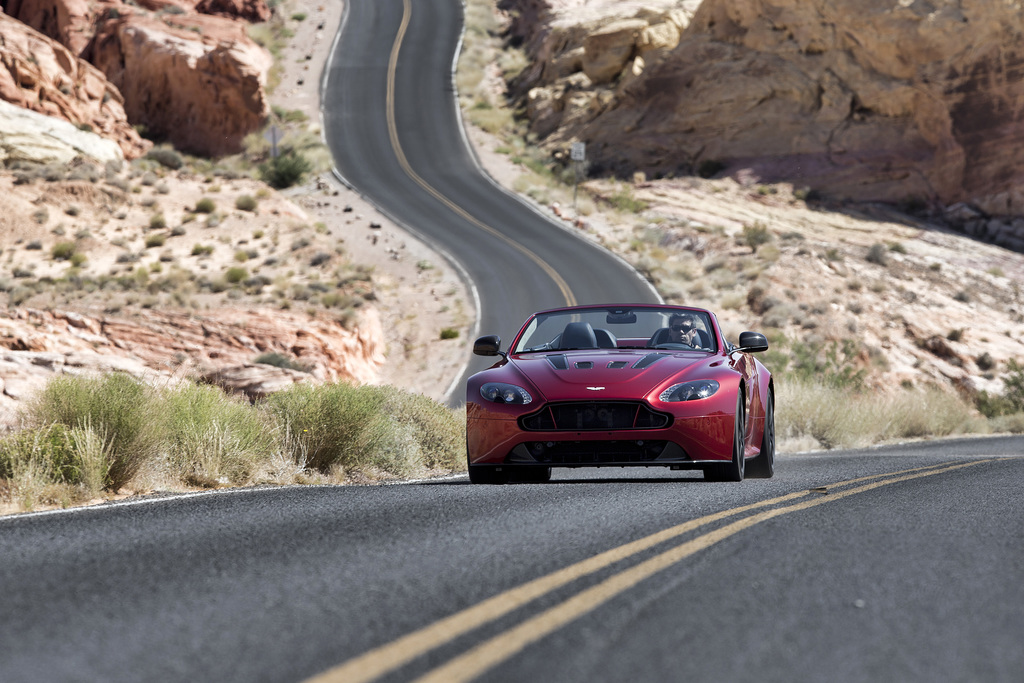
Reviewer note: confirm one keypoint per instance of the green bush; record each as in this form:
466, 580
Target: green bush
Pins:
117, 407
213, 438
326, 427
246, 202
166, 157
62, 251
206, 205
236, 274
755, 235
281, 360
155, 240
285, 170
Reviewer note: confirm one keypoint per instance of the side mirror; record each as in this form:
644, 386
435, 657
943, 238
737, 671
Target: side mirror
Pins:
487, 346
752, 342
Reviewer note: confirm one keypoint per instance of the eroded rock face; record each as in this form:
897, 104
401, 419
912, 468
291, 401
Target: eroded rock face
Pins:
202, 89
218, 347
189, 74
41, 75
860, 99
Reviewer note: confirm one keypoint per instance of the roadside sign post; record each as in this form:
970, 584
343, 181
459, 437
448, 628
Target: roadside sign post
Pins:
272, 136
578, 154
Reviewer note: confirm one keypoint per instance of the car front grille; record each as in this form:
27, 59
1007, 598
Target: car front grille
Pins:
579, 416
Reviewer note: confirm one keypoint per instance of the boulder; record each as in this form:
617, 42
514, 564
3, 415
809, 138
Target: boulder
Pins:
187, 70
39, 74
202, 89
26, 136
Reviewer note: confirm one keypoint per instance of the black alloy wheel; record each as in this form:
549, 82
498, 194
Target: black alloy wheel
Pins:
733, 470
763, 466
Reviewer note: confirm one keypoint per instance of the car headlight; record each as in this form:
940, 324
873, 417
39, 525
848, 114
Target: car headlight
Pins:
499, 392
689, 391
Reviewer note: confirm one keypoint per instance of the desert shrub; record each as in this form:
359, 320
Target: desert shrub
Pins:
282, 360
155, 240
236, 274
214, 438
878, 254
342, 426
324, 427
206, 205
449, 333
166, 157
285, 170
157, 222
117, 407
756, 234
62, 251
78, 259
202, 249
246, 202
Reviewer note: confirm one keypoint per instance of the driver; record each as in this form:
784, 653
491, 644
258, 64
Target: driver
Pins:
682, 329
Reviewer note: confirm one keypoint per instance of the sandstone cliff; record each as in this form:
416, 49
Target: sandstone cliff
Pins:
859, 99
187, 71
41, 75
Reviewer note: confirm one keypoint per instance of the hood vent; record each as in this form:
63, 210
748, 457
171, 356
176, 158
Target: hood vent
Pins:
649, 360
559, 361
617, 364
584, 365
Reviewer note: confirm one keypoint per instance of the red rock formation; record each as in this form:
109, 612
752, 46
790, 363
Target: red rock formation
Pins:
196, 80
191, 77
218, 347
40, 74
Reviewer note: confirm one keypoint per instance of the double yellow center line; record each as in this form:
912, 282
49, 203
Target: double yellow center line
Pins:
391, 656
563, 286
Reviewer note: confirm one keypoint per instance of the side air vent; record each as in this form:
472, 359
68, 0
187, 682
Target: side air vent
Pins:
558, 361
648, 360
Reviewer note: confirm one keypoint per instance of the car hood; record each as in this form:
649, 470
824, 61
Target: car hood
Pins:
621, 374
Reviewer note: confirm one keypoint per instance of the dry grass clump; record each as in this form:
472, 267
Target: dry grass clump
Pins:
835, 417
82, 436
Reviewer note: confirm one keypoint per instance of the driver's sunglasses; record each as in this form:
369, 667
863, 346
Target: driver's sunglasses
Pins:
682, 326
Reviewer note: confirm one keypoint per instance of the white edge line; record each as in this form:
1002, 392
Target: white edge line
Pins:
460, 270
157, 498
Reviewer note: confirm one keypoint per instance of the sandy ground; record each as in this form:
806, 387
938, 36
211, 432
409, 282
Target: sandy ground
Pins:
420, 292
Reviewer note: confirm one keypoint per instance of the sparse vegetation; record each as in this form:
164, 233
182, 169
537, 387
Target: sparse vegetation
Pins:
85, 435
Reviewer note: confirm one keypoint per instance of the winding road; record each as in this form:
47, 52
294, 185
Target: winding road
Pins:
902, 563
393, 126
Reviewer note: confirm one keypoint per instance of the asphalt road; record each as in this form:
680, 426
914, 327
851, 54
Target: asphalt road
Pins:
392, 124
601, 575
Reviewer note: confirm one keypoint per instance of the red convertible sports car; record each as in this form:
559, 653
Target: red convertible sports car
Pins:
620, 386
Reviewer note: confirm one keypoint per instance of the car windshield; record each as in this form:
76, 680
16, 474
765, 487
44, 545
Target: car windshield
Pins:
622, 328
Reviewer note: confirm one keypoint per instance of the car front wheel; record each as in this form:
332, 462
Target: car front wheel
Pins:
487, 474
732, 470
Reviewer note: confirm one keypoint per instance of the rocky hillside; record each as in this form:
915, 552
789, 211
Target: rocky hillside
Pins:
870, 100
120, 255
775, 164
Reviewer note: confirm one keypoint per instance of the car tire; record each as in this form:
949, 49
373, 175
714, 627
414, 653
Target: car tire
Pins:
763, 466
733, 470
530, 475
487, 474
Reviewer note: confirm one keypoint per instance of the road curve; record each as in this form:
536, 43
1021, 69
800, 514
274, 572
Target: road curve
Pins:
392, 124
901, 563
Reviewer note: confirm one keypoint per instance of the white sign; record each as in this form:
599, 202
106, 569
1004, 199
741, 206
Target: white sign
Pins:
578, 152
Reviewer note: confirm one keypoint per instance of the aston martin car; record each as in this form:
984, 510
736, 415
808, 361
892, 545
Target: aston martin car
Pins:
621, 386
